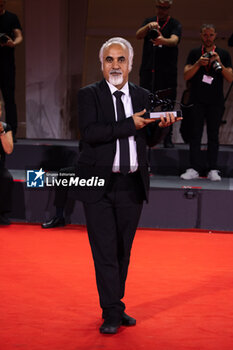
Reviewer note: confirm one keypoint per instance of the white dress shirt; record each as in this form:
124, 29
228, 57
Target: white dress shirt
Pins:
126, 99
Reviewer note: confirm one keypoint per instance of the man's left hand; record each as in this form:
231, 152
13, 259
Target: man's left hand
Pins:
160, 40
215, 57
168, 120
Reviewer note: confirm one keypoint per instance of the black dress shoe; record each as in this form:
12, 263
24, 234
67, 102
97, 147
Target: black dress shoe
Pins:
54, 222
109, 327
127, 320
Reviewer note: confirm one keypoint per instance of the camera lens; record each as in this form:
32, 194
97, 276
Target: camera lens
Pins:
153, 34
216, 66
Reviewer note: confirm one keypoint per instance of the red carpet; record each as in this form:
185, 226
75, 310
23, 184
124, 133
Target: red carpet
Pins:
180, 289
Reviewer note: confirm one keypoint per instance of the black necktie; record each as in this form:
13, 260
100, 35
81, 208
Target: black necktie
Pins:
124, 142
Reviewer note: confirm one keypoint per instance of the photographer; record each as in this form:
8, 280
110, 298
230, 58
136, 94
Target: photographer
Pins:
206, 68
6, 180
11, 28
158, 70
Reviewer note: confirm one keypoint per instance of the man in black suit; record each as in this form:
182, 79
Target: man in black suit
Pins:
114, 190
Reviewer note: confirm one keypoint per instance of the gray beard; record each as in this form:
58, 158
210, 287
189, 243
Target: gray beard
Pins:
115, 80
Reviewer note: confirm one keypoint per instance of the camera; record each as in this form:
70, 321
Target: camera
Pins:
153, 34
3, 38
215, 64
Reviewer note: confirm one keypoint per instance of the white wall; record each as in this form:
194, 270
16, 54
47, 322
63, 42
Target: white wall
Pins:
46, 62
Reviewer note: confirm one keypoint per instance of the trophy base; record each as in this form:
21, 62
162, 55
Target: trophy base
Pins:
158, 115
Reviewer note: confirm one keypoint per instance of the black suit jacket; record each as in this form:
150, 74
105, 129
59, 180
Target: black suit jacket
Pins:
99, 131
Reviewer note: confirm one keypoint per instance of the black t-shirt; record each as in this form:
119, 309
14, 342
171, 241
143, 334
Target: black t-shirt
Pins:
8, 22
162, 59
2, 153
201, 91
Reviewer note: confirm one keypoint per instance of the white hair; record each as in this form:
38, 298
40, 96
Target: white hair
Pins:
121, 41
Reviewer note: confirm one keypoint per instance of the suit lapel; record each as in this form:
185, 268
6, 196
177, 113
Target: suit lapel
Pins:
106, 102
134, 97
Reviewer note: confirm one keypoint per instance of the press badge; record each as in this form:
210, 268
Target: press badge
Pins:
207, 79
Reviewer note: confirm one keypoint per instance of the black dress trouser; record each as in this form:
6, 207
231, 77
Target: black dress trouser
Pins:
7, 86
111, 225
211, 114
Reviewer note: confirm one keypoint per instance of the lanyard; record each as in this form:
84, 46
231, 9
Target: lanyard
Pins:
166, 22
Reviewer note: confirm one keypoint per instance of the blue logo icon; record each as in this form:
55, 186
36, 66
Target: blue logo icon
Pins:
35, 178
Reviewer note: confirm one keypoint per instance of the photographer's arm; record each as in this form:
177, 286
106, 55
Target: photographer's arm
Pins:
142, 32
227, 73
170, 42
18, 38
191, 69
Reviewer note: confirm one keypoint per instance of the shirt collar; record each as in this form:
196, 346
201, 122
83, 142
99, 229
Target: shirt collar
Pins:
125, 88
